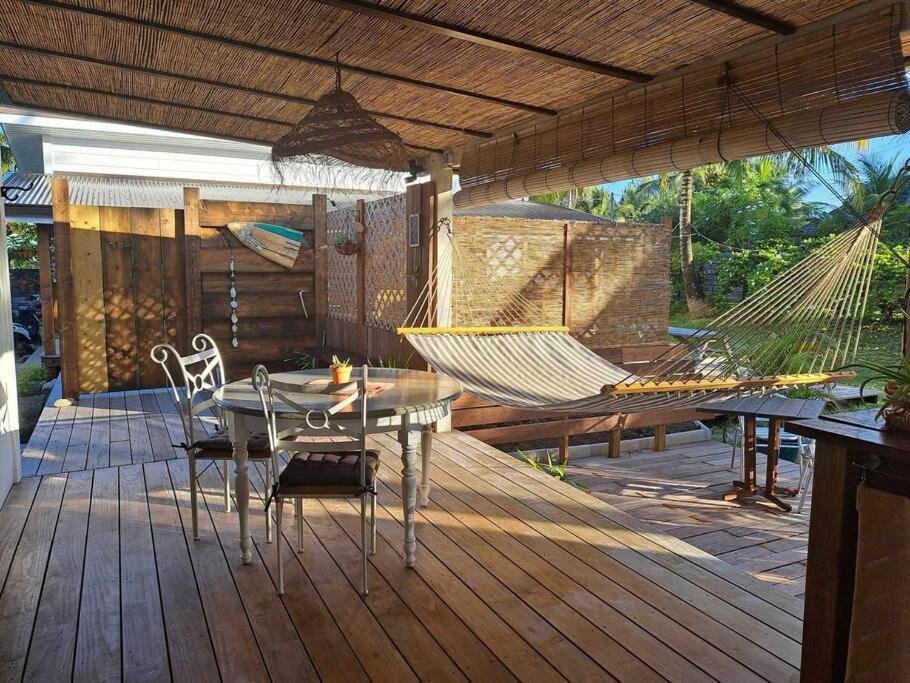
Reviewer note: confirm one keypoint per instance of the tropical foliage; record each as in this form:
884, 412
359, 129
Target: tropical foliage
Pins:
7, 162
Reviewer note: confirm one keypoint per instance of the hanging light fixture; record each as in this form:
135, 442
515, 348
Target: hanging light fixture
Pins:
337, 127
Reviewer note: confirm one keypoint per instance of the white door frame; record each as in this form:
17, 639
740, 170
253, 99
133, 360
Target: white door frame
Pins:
10, 457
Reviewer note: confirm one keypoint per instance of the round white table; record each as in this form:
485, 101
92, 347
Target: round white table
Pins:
409, 402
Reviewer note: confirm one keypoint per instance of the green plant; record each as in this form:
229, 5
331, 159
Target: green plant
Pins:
302, 361
897, 382
549, 467
338, 363
390, 361
30, 378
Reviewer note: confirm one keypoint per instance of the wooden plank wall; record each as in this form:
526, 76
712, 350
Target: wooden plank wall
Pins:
272, 323
130, 278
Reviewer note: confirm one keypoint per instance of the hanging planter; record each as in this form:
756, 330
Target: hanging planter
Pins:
22, 254
348, 246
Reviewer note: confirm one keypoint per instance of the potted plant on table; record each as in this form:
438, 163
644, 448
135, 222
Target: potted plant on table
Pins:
896, 407
340, 370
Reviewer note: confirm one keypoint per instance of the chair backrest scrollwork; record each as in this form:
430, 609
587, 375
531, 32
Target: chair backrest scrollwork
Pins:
201, 373
278, 397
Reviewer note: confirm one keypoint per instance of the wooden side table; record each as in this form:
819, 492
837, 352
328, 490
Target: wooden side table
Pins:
776, 410
856, 618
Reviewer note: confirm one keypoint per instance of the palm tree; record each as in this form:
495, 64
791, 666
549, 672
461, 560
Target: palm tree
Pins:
875, 177
7, 162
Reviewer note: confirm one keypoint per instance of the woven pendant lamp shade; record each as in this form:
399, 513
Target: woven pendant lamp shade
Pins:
338, 127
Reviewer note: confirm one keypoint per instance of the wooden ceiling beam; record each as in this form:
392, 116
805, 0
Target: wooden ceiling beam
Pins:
454, 31
750, 16
231, 86
4, 78
285, 54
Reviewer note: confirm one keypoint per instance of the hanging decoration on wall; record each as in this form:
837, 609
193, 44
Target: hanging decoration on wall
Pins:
274, 242
232, 292
338, 135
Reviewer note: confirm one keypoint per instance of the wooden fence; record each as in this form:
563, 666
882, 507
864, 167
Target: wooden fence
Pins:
130, 278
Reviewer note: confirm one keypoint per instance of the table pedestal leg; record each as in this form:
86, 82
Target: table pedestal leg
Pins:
408, 437
240, 435
771, 487
426, 451
746, 487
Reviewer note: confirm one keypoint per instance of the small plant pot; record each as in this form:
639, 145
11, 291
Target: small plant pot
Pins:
340, 375
897, 416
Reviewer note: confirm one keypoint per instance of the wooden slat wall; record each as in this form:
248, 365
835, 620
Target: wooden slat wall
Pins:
131, 278
272, 323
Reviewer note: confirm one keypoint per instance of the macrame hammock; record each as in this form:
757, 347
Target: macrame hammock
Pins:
790, 333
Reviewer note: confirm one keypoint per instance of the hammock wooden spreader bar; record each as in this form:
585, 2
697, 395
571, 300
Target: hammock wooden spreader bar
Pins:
481, 330
729, 383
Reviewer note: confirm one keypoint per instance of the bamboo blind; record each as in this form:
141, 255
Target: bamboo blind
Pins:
817, 76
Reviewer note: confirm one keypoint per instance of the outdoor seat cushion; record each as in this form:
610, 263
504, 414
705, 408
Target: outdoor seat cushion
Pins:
218, 445
335, 473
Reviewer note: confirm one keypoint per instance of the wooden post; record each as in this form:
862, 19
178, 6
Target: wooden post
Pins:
47, 290
10, 463
361, 285
192, 242
660, 437
568, 249
442, 213
614, 443
831, 567
321, 265
69, 367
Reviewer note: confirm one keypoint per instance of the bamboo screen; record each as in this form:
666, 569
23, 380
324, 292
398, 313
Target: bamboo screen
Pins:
386, 262
620, 284
342, 270
851, 62
620, 292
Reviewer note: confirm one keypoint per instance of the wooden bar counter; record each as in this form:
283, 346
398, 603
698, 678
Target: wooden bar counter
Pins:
857, 618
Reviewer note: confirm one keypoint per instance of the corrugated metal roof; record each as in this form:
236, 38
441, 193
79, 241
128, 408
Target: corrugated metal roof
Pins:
519, 208
168, 194
160, 194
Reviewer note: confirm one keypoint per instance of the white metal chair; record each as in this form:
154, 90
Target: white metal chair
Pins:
319, 469
201, 373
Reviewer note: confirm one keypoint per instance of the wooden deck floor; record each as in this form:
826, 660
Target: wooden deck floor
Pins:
678, 491
519, 576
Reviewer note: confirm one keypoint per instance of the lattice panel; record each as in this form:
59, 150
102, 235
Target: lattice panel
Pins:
342, 275
386, 248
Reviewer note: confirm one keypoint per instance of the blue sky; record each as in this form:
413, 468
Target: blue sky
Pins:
885, 147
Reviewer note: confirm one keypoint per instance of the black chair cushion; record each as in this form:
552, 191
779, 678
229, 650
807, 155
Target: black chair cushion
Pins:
335, 473
218, 445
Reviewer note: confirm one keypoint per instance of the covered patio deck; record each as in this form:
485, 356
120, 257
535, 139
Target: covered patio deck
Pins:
519, 576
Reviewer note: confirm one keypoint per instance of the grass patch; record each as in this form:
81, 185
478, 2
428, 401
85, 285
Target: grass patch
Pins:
31, 377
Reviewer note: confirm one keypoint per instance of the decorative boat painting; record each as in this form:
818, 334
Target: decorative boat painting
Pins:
274, 242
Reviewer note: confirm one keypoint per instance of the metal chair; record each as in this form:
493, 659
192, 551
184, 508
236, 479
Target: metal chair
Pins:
806, 470
319, 469
201, 373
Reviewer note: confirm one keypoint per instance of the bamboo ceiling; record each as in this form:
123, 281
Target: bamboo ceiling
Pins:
250, 70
